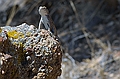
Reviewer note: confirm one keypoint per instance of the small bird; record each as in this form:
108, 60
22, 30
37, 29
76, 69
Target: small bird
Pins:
46, 20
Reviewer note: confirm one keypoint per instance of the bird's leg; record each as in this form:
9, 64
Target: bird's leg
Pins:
40, 23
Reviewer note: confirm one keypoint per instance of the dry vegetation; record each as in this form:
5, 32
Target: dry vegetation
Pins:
89, 31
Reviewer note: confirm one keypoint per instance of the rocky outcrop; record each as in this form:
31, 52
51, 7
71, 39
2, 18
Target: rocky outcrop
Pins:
29, 53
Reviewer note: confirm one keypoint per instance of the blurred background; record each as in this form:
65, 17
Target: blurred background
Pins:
89, 31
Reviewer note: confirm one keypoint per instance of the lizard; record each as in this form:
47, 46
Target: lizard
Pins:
46, 20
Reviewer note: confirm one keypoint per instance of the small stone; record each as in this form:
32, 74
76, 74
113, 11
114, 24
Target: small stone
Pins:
28, 58
3, 72
34, 70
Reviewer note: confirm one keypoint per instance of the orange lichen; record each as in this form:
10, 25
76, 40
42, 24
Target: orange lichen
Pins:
1, 39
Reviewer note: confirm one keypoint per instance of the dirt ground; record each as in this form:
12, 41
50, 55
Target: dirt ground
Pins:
89, 31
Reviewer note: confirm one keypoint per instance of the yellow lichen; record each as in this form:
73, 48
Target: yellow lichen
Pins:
0, 30
28, 33
14, 34
21, 54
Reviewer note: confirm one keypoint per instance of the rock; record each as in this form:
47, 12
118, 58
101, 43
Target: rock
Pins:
29, 53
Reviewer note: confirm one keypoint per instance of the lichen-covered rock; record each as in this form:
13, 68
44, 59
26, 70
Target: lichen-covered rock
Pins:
29, 53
